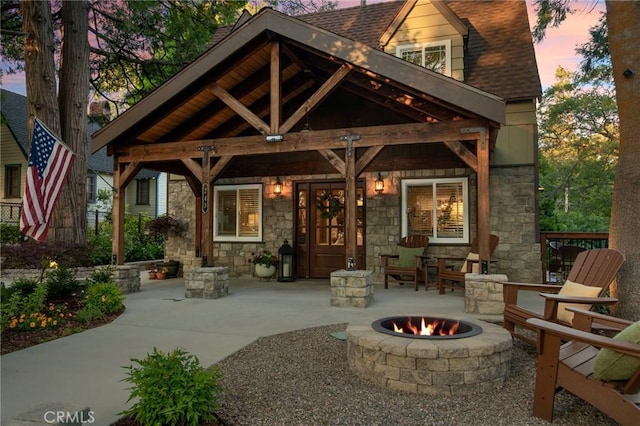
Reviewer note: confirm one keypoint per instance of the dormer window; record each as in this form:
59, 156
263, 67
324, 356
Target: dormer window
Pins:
435, 56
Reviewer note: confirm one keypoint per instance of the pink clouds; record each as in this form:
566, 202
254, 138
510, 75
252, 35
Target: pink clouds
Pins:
558, 47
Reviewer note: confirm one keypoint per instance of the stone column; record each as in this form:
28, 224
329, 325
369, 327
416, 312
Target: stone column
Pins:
127, 278
207, 282
483, 294
351, 288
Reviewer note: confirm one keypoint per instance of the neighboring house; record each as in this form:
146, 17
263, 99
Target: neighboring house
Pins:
143, 195
435, 100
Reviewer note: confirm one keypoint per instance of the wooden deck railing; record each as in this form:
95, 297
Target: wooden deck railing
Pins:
559, 250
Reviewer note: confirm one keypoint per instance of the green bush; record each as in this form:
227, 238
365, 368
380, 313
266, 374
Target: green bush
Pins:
172, 389
105, 297
20, 308
61, 283
10, 234
101, 275
88, 314
24, 286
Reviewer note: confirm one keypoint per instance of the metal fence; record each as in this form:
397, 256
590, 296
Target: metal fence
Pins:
10, 214
561, 248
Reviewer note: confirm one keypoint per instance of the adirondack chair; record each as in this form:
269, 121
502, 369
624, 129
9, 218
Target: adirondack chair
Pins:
409, 264
451, 274
587, 283
570, 366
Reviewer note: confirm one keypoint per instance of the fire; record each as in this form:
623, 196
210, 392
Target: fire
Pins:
435, 327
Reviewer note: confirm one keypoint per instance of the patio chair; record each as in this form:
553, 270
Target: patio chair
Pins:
410, 264
586, 285
451, 274
603, 371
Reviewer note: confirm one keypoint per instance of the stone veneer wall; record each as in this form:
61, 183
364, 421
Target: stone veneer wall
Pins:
513, 219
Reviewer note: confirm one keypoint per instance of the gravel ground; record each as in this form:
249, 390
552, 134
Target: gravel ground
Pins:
302, 378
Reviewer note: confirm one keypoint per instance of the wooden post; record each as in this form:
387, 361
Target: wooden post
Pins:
484, 223
350, 225
206, 207
117, 243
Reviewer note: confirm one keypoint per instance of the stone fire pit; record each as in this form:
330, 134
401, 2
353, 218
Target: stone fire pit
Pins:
479, 363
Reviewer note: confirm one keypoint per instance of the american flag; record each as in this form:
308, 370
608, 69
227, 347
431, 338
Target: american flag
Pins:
49, 162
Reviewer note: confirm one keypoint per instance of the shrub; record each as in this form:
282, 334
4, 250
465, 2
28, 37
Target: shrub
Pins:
19, 307
101, 275
61, 283
105, 297
88, 314
172, 389
24, 286
30, 254
10, 234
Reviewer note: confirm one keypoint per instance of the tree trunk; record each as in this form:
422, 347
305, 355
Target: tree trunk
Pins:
624, 39
70, 216
40, 71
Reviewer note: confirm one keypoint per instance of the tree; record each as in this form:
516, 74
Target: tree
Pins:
578, 150
623, 42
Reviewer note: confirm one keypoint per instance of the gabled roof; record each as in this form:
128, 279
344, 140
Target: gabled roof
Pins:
499, 59
314, 54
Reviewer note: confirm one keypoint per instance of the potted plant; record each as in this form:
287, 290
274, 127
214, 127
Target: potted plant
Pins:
265, 263
161, 274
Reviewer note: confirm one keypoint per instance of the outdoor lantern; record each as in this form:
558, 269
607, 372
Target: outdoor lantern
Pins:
277, 187
285, 263
379, 184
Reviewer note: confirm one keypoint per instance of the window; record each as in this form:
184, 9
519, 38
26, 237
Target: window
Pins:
438, 208
91, 188
238, 212
12, 178
143, 190
435, 56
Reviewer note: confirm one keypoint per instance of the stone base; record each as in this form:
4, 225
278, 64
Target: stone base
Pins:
207, 282
351, 288
431, 367
483, 294
127, 278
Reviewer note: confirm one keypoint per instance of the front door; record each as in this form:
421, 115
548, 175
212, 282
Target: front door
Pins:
320, 223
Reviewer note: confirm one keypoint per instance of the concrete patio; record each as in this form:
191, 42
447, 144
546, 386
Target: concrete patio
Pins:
85, 370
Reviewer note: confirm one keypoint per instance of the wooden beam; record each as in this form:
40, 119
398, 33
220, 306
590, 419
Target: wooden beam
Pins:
334, 159
276, 88
329, 86
217, 168
239, 108
465, 155
366, 158
129, 172
396, 134
193, 166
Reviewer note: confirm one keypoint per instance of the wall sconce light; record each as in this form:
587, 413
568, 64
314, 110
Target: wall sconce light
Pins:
379, 184
277, 187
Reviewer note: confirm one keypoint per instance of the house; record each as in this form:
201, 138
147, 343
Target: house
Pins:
287, 127
144, 195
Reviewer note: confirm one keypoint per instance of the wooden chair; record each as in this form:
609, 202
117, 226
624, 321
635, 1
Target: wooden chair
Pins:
410, 263
450, 277
570, 366
592, 268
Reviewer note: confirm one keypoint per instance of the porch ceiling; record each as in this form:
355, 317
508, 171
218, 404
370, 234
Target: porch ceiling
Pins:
225, 99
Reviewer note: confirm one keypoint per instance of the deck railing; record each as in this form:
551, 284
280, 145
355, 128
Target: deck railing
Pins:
559, 251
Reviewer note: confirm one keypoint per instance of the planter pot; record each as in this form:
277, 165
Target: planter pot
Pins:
171, 267
263, 271
152, 275
161, 275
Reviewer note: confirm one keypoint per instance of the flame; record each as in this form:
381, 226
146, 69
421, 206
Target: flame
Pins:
442, 328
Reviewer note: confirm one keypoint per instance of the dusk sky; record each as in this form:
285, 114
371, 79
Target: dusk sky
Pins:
558, 49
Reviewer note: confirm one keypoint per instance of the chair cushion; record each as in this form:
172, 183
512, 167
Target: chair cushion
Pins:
408, 255
578, 290
475, 266
611, 365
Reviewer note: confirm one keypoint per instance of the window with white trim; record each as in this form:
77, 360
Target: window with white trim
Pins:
238, 212
438, 208
435, 56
